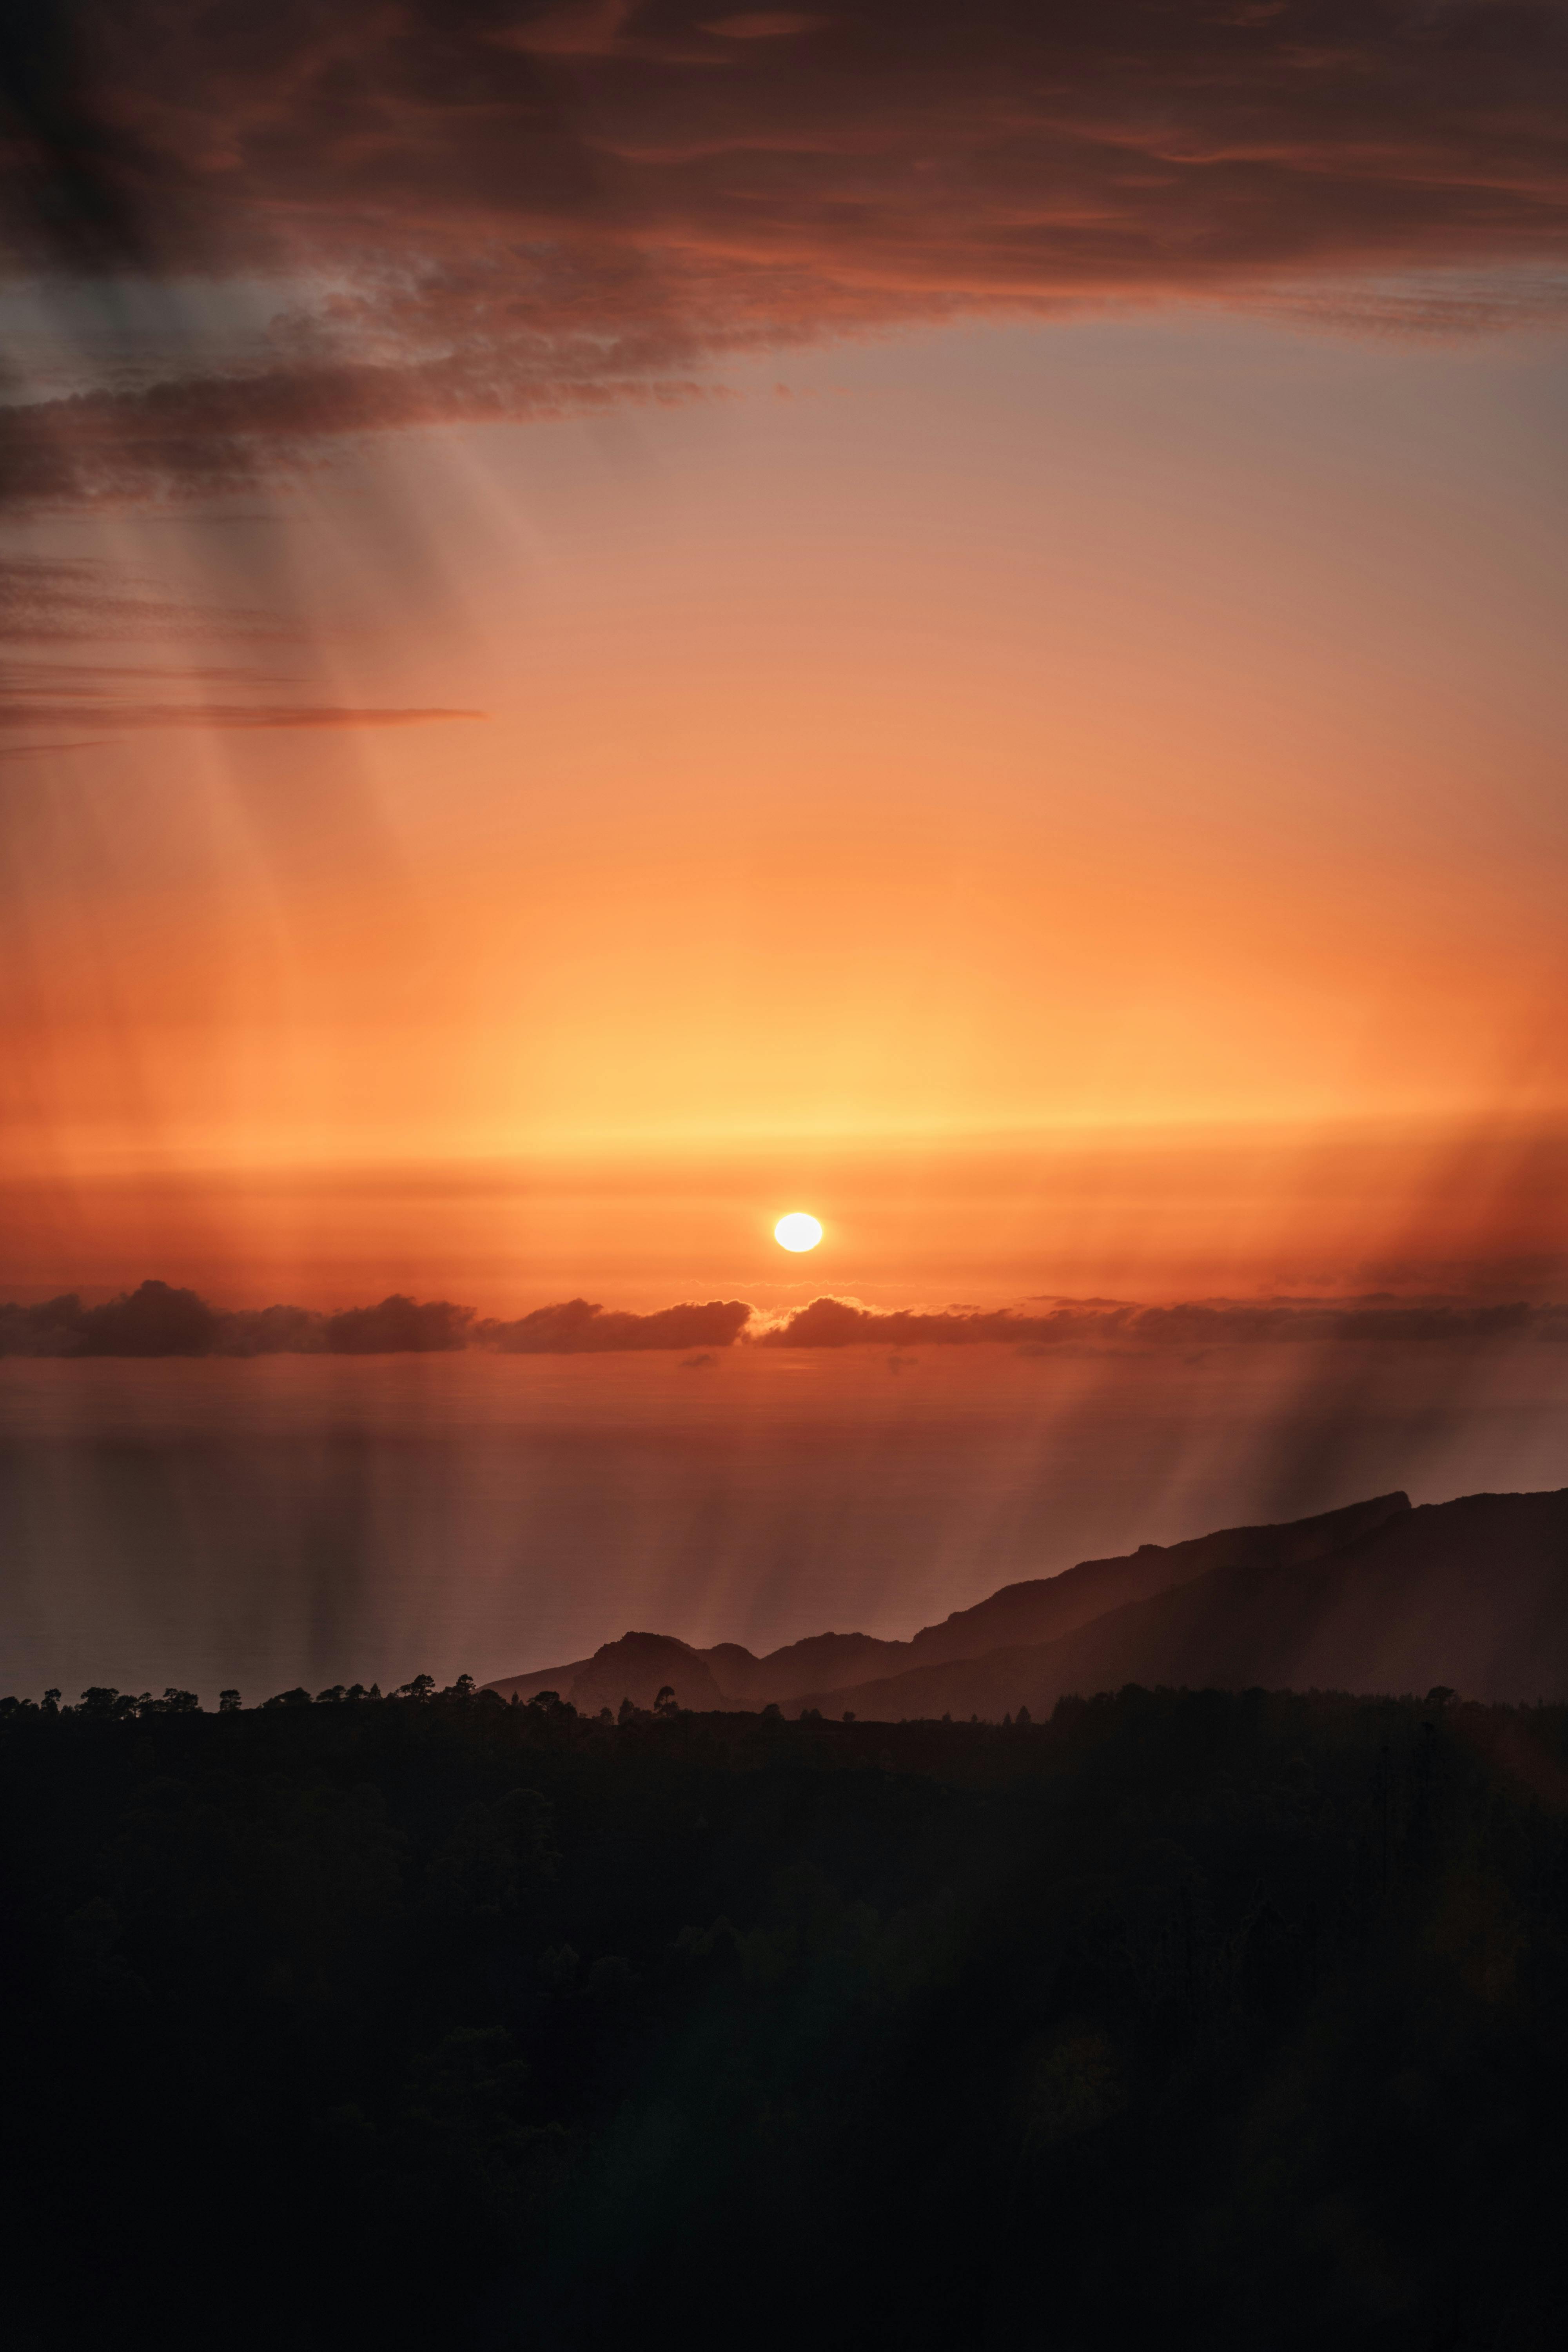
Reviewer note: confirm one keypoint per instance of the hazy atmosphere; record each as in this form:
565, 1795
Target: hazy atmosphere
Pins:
616, 624
784, 1174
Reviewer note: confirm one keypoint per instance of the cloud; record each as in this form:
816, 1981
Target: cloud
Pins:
43, 751
272, 1331
53, 600
399, 1325
485, 214
77, 699
156, 1319
1208, 1323
578, 1328
45, 602
153, 1320
765, 25
51, 1328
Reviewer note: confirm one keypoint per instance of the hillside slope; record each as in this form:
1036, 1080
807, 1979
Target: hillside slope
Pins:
1472, 1593
1043, 1609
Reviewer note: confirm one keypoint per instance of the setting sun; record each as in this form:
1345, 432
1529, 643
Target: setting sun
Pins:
797, 1232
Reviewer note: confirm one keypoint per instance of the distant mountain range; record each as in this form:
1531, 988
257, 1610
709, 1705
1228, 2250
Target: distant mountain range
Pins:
1471, 1595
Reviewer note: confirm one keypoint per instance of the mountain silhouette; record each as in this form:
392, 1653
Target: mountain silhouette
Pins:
1050, 1607
638, 1666
1472, 1594
847, 1667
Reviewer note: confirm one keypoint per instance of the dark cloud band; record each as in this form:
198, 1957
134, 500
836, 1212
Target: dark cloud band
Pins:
157, 1320
480, 211
841, 1323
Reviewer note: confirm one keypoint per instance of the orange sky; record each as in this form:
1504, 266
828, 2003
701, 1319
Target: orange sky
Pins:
1077, 805
617, 621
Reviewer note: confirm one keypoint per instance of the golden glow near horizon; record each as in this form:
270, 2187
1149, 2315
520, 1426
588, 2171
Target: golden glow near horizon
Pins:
797, 1231
1098, 875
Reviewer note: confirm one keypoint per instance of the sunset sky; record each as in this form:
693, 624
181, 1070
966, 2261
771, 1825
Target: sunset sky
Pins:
617, 621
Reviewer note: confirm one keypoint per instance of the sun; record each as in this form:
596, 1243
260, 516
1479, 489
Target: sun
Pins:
797, 1231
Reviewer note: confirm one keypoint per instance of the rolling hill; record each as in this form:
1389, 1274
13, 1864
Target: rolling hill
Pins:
1243, 1605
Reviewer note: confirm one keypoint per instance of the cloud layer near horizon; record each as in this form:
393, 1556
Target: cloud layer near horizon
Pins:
461, 210
158, 1319
1197, 1324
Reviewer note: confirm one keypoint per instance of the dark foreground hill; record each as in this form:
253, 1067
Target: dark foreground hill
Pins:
1377, 1598
1182, 2019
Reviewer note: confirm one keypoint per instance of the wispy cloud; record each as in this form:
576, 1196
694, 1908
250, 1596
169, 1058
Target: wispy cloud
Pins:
70, 699
59, 600
50, 603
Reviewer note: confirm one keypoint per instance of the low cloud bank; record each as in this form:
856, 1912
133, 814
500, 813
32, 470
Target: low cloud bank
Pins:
577, 1327
399, 1326
841, 1323
157, 1320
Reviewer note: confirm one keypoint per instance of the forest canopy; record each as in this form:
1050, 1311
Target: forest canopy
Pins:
1232, 2018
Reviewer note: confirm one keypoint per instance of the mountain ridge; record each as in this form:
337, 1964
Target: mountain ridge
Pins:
640, 1663
1470, 1594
